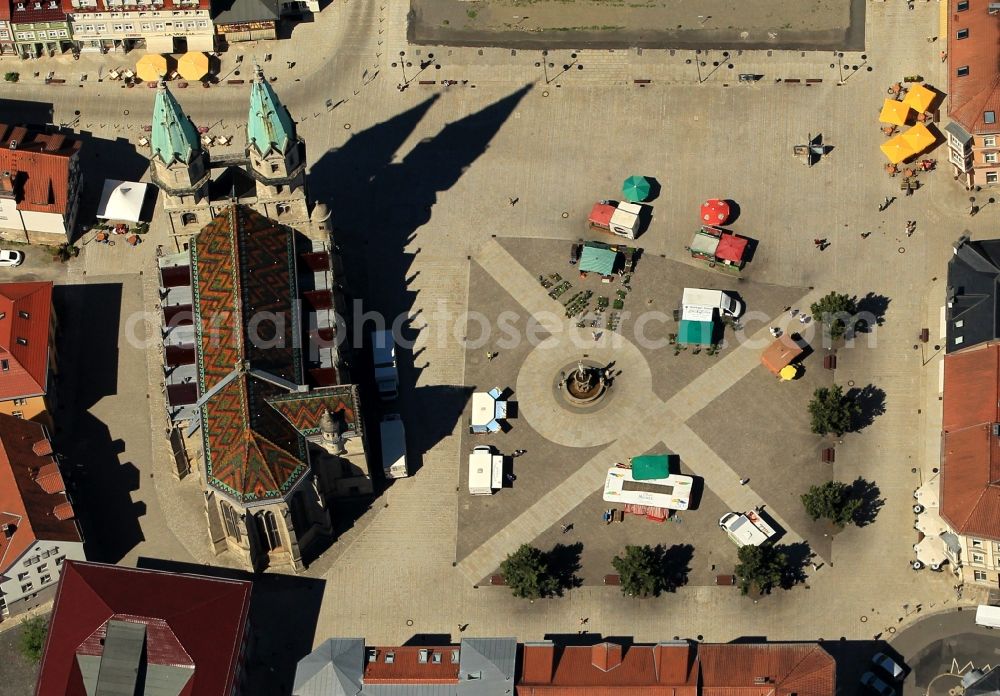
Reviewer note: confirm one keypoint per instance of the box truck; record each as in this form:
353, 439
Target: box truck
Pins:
393, 437
696, 302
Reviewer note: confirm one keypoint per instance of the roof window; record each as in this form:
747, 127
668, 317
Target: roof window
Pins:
23, 314
372, 655
21, 341
436, 658
990, 117
454, 657
962, 71
422, 656
962, 34
390, 657
962, 6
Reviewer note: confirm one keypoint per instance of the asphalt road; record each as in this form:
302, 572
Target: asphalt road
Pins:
943, 646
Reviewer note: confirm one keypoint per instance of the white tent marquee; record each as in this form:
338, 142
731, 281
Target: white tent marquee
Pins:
121, 200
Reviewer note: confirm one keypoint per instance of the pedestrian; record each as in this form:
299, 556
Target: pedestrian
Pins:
584, 620
792, 311
513, 201
775, 331
462, 627
787, 309
744, 481
814, 566
566, 527
803, 318
865, 235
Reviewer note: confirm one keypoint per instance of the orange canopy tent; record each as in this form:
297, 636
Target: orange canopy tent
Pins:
919, 138
780, 354
896, 149
894, 112
919, 98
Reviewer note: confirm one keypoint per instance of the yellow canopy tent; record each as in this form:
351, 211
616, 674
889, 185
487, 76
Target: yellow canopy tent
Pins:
894, 112
788, 373
151, 67
919, 98
193, 65
896, 149
918, 138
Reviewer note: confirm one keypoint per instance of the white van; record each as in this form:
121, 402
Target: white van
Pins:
697, 298
393, 437
384, 358
987, 616
485, 471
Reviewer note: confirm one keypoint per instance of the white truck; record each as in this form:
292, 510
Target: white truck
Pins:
987, 616
747, 528
393, 436
384, 359
697, 304
485, 471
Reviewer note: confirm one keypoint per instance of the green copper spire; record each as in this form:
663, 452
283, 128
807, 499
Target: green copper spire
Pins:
269, 126
174, 136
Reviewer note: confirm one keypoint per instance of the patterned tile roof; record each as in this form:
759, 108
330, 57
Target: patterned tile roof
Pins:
303, 411
243, 276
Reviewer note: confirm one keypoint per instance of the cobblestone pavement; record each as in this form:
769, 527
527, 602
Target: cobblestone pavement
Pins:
568, 140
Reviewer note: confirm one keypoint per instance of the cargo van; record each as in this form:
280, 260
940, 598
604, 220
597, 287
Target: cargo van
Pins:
384, 359
393, 437
694, 299
987, 616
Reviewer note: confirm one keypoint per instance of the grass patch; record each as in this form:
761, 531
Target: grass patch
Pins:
472, 14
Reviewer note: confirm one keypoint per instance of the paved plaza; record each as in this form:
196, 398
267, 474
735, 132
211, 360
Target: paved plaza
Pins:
419, 181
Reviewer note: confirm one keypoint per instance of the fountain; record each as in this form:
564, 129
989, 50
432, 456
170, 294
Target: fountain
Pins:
584, 386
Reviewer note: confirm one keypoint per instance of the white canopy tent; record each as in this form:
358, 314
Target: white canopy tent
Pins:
122, 200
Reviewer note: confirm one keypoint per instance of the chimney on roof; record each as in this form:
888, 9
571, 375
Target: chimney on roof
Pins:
606, 656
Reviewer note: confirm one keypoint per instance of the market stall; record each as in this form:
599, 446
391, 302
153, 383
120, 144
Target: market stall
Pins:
487, 411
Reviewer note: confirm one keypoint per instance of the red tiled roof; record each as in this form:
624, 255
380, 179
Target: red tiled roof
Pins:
190, 619
766, 670
970, 459
30, 14
49, 477
28, 358
23, 497
406, 667
64, 511
979, 91
676, 670
39, 164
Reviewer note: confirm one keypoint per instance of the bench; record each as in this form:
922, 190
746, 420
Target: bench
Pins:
828, 455
830, 362
612, 579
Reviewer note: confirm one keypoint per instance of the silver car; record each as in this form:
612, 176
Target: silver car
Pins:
10, 258
877, 685
888, 665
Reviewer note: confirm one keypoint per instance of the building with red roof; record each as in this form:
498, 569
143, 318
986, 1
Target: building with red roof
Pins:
38, 529
6, 37
40, 27
973, 54
145, 632
39, 185
27, 350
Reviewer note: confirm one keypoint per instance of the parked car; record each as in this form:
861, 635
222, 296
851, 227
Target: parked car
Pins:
10, 258
877, 685
888, 665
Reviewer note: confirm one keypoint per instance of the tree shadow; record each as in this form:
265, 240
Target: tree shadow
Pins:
382, 202
871, 499
797, 557
276, 602
871, 312
675, 564
564, 564
870, 402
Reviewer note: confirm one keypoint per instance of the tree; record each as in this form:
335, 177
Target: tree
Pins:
836, 311
526, 572
834, 501
760, 568
33, 633
831, 412
641, 571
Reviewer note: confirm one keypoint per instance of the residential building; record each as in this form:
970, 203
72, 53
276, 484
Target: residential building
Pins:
40, 27
40, 183
38, 527
118, 630
281, 425
971, 312
269, 177
973, 54
485, 667
28, 364
346, 666
6, 37
970, 465
159, 26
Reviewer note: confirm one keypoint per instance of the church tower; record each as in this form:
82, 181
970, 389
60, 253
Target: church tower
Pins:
180, 167
277, 157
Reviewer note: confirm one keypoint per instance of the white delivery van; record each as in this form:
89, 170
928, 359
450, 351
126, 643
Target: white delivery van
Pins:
694, 298
988, 616
393, 446
485, 471
384, 359
746, 529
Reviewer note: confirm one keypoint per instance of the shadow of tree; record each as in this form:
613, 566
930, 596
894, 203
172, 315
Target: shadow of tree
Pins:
871, 499
871, 311
797, 557
675, 564
870, 403
564, 564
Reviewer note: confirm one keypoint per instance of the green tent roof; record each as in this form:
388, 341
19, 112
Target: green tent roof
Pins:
652, 466
696, 332
596, 259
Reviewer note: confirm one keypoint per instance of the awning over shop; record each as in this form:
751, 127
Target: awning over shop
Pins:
193, 65
894, 112
919, 98
919, 138
896, 149
121, 200
697, 333
151, 67
205, 42
598, 259
160, 44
